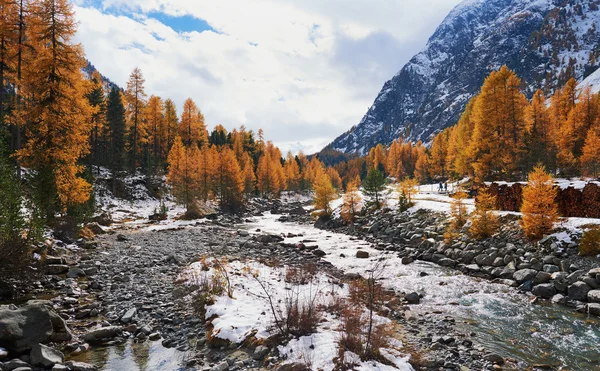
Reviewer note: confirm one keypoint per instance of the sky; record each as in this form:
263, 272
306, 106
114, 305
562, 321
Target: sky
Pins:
305, 71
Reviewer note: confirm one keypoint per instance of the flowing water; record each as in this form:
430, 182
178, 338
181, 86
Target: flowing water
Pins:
504, 320
144, 356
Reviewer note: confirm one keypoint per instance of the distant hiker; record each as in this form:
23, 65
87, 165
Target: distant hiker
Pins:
446, 187
441, 188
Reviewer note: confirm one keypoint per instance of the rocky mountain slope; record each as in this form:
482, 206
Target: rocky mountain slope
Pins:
544, 41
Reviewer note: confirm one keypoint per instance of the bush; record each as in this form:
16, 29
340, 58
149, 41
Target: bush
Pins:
458, 211
590, 242
484, 221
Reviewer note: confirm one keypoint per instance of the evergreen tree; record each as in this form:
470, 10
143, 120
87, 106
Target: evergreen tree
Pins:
136, 103
373, 186
95, 97
115, 121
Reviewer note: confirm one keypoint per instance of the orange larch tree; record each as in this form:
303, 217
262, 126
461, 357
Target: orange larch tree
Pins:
292, 173
58, 114
590, 160
170, 127
539, 207
155, 118
191, 127
229, 185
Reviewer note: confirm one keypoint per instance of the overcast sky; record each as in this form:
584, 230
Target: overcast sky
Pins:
303, 70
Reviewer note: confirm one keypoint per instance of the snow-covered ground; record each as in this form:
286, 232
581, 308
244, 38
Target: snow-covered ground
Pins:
248, 314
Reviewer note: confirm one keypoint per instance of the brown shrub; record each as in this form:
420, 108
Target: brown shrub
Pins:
590, 242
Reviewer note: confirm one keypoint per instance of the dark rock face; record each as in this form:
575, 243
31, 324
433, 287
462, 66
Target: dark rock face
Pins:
430, 92
28, 326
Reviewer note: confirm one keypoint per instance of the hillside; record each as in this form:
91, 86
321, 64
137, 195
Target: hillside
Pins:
545, 42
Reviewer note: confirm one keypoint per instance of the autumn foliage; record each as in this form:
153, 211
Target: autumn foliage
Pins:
484, 221
539, 207
352, 199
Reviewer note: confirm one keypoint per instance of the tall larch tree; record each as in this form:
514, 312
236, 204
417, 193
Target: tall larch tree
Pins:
58, 114
324, 194
191, 127
229, 180
155, 117
182, 173
499, 123
269, 183
136, 103
9, 33
540, 145
292, 173
248, 174
171, 124
439, 155
206, 171
459, 159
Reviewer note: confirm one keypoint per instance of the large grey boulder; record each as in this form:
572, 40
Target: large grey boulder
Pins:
594, 296
523, 275
545, 290
25, 327
102, 334
578, 291
44, 356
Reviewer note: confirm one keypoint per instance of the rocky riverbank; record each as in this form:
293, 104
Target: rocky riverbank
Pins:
549, 269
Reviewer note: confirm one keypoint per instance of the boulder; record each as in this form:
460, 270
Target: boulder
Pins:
44, 356
319, 253
594, 308
81, 366
3, 354
54, 269
578, 291
494, 358
361, 254
593, 296
412, 298
128, 316
101, 334
75, 272
28, 326
541, 277
260, 353
545, 290
523, 275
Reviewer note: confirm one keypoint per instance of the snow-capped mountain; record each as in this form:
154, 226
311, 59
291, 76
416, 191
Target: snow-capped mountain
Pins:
544, 41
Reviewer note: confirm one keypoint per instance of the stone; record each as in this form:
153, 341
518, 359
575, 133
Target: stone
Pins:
361, 254
319, 253
544, 290
30, 325
122, 238
578, 291
55, 260
406, 260
101, 334
559, 299
59, 367
550, 268
574, 277
128, 316
523, 275
593, 296
260, 353
412, 298
541, 277
591, 282
3, 354
154, 336
594, 308
81, 366
44, 356
14, 364
494, 358
75, 272
54, 269
222, 366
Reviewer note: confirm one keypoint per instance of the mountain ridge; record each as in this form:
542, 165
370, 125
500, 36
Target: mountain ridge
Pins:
544, 41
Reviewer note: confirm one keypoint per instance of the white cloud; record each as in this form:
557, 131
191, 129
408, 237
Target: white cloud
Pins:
303, 70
